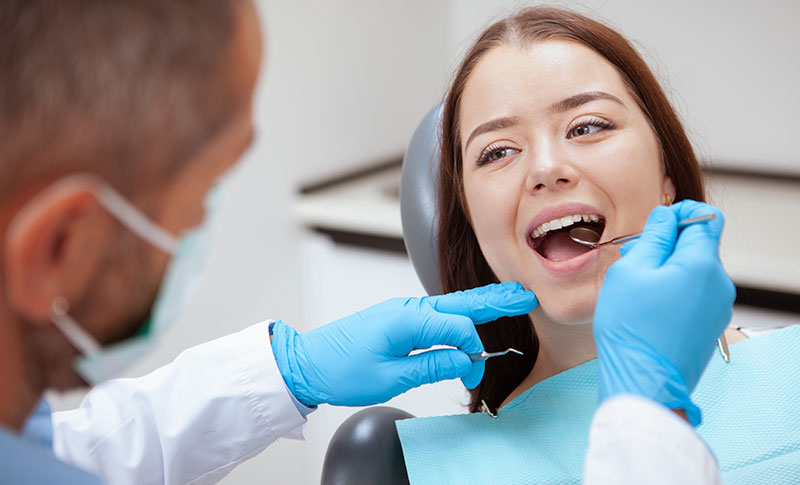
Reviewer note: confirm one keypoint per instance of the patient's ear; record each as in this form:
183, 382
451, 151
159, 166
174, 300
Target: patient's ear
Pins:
53, 246
669, 188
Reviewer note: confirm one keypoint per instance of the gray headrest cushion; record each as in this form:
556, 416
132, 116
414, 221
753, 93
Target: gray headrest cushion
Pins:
419, 200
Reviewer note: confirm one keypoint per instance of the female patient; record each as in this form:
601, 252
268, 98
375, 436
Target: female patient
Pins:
553, 121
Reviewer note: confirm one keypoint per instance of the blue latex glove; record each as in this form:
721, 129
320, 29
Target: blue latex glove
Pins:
661, 309
363, 359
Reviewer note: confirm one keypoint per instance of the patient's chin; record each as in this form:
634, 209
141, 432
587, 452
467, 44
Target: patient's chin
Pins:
569, 314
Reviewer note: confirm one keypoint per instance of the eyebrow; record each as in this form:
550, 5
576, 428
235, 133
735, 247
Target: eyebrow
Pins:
565, 104
493, 125
580, 99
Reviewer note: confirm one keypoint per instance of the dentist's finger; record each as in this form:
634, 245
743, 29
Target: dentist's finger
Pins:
438, 365
447, 329
657, 241
625, 248
699, 240
475, 375
487, 303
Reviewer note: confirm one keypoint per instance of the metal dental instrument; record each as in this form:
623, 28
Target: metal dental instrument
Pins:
486, 409
589, 237
722, 344
488, 355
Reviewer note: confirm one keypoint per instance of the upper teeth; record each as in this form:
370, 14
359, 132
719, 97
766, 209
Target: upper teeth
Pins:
563, 222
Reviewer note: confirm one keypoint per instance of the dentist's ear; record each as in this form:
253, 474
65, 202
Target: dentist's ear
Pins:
53, 247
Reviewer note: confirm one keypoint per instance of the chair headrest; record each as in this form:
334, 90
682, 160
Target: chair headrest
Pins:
419, 200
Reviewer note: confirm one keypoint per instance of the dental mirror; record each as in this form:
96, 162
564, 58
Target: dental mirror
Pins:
585, 236
590, 237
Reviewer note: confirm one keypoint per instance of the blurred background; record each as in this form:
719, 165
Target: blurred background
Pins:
309, 225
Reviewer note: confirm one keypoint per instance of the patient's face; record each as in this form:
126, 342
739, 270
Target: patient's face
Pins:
566, 142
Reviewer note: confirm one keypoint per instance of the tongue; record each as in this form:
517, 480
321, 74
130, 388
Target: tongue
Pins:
559, 247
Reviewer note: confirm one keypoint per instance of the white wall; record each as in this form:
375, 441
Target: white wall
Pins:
347, 81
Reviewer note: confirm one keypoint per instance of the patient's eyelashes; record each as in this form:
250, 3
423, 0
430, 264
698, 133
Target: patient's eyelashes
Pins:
588, 126
582, 127
495, 152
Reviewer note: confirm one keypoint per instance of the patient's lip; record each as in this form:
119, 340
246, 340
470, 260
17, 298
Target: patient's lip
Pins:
572, 265
560, 210
568, 266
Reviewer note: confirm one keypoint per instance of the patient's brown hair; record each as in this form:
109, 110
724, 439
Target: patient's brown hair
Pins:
461, 263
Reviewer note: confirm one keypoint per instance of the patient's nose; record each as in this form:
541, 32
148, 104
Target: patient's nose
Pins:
550, 169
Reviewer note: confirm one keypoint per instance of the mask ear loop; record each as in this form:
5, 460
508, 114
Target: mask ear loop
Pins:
134, 219
119, 207
77, 336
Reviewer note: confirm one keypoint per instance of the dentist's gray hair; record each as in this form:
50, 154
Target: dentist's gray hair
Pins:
127, 89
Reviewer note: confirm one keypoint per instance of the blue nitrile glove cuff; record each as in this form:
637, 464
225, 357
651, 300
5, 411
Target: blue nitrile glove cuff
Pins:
285, 345
303, 409
642, 370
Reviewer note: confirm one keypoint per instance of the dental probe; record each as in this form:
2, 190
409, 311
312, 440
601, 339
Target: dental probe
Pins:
589, 237
488, 355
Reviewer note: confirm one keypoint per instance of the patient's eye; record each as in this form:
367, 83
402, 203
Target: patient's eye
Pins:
589, 126
493, 153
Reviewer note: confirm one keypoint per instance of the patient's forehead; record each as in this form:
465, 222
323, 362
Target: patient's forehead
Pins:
526, 81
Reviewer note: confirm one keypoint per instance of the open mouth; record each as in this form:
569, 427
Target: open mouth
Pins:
551, 239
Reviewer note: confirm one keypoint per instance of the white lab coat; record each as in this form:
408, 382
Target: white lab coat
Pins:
634, 440
191, 421
224, 401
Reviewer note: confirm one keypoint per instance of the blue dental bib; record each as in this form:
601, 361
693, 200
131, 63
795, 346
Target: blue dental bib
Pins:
751, 421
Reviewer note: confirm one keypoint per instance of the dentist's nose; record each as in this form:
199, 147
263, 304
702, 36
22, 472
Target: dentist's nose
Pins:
550, 170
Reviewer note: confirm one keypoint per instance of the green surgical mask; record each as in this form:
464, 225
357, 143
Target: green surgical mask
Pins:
99, 363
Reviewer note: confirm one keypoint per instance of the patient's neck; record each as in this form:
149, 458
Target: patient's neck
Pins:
561, 347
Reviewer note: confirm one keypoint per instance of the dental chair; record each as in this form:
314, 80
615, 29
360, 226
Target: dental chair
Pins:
366, 448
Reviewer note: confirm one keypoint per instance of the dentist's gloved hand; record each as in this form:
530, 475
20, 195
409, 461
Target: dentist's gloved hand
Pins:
363, 359
662, 307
